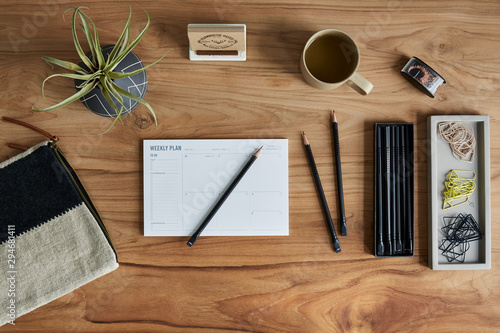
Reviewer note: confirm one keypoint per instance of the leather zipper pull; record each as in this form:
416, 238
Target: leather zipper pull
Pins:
51, 137
16, 146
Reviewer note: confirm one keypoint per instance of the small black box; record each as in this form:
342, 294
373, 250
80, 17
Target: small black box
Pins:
394, 190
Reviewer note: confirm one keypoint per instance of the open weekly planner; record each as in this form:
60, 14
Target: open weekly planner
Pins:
183, 180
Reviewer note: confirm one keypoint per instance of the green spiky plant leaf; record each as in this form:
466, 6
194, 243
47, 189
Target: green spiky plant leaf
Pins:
99, 72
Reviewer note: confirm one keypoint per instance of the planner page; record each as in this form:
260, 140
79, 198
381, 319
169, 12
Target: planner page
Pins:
184, 179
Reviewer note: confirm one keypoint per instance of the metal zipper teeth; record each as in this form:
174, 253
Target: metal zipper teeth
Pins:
82, 192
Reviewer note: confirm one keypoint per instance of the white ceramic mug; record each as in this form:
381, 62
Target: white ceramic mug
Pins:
330, 59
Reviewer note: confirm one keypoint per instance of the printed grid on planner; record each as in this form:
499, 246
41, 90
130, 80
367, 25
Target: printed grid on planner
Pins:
181, 186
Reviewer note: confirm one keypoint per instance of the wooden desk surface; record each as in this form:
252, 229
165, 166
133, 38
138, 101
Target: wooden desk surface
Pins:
263, 284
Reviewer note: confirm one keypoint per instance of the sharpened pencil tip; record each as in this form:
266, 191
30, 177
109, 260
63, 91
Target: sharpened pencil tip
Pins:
256, 154
304, 138
334, 117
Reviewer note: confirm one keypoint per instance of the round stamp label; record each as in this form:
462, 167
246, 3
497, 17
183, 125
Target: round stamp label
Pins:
217, 41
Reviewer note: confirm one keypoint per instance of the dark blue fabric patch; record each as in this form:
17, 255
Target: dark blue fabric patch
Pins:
34, 190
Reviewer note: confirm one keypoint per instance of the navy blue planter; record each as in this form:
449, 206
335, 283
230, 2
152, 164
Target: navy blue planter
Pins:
136, 84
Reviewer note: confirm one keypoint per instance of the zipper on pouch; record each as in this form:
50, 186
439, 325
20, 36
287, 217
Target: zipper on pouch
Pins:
69, 170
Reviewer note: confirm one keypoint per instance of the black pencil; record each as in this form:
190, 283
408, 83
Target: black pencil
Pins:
403, 187
409, 191
380, 201
393, 191
335, 131
223, 198
326, 210
397, 163
388, 188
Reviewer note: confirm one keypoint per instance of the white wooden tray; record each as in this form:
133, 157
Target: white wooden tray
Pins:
440, 162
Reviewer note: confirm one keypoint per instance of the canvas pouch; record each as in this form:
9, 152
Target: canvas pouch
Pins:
52, 239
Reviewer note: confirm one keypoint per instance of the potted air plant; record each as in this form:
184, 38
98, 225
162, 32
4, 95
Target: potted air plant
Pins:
109, 80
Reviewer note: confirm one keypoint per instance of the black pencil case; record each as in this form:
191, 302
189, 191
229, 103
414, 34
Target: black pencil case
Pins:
394, 190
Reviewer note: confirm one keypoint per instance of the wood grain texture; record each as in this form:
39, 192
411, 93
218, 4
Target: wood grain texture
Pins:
263, 284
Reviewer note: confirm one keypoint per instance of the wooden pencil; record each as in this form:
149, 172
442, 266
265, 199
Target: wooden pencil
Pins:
324, 204
223, 198
340, 188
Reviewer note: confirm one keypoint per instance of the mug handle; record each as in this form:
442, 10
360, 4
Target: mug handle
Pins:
360, 84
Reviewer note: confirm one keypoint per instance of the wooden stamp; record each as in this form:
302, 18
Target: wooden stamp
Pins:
217, 42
